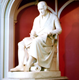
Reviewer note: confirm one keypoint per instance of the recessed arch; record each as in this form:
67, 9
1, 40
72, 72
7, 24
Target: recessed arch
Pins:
8, 29
10, 18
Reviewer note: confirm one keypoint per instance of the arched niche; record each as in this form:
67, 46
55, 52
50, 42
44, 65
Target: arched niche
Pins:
8, 28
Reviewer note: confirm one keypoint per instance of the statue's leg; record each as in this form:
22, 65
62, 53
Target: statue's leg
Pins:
21, 53
32, 52
21, 57
29, 63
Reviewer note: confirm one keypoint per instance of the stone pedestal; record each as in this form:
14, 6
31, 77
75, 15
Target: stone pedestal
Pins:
54, 78
29, 75
42, 75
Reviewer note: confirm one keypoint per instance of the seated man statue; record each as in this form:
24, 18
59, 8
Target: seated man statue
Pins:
39, 45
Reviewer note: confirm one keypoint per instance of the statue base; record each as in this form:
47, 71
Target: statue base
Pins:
54, 78
40, 74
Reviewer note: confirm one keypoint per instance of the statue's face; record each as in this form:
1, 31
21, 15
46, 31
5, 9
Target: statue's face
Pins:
41, 10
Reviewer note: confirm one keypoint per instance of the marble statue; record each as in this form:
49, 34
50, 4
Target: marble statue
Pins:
35, 52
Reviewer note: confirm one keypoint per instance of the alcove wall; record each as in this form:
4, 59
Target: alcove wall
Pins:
69, 41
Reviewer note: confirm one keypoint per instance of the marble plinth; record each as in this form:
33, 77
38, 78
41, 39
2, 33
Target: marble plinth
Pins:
41, 74
54, 78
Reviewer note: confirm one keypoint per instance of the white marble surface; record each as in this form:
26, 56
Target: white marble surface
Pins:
29, 75
54, 78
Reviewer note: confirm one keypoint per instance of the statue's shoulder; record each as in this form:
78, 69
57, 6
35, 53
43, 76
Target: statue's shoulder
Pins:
53, 16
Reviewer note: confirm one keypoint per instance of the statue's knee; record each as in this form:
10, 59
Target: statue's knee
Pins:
20, 43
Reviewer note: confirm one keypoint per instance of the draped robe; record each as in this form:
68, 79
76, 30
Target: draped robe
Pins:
41, 46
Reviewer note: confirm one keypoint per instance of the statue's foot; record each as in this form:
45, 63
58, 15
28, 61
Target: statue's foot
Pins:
17, 68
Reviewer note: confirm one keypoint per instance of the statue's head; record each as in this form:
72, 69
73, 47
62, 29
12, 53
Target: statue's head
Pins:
42, 8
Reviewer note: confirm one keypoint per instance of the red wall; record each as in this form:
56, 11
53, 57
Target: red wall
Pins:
68, 39
69, 42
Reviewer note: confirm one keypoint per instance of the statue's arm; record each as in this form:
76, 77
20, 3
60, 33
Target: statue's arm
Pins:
58, 29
